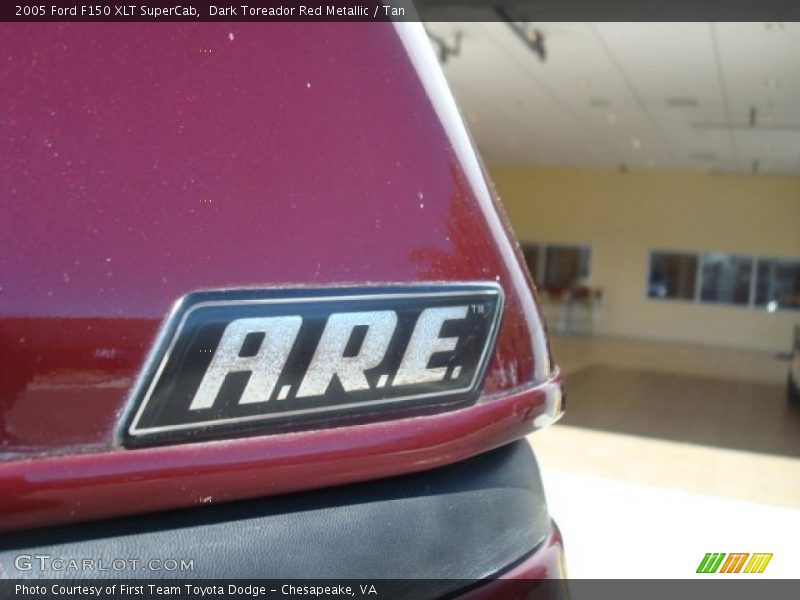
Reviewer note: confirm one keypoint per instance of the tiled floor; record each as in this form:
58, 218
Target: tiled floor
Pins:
693, 418
673, 449
692, 409
573, 353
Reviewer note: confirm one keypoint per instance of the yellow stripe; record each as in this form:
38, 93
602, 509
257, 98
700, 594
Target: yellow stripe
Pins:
749, 566
767, 558
759, 558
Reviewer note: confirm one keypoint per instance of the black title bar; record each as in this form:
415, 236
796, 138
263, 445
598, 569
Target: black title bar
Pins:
397, 10
397, 589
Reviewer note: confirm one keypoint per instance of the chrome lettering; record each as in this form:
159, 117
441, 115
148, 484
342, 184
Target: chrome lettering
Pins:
265, 366
425, 342
329, 359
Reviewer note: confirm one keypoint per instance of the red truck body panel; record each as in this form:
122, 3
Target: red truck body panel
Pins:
141, 163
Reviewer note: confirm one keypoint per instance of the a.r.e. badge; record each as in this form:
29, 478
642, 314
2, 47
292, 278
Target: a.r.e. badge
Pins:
252, 362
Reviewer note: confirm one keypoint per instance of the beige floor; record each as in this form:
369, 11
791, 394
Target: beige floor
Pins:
573, 353
692, 418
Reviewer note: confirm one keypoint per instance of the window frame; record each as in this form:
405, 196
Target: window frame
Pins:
697, 280
700, 255
795, 261
703, 259
539, 273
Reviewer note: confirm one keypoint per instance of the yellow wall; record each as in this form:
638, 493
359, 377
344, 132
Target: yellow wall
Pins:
622, 216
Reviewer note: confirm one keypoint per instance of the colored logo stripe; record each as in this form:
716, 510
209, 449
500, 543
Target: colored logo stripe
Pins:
710, 562
758, 563
733, 564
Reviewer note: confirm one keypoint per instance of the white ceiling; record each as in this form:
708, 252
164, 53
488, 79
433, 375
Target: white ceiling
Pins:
644, 95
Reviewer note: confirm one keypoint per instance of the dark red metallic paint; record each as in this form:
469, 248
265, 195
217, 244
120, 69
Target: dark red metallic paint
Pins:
144, 162
91, 486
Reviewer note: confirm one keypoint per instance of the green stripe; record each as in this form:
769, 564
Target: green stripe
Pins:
714, 568
710, 562
703, 562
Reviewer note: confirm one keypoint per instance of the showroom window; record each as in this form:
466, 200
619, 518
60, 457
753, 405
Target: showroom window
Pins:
672, 275
564, 266
722, 278
725, 278
557, 266
778, 283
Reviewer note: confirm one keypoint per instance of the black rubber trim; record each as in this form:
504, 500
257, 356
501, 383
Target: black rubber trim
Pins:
464, 521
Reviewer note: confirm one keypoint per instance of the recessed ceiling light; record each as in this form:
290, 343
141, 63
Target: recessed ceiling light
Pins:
636, 143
